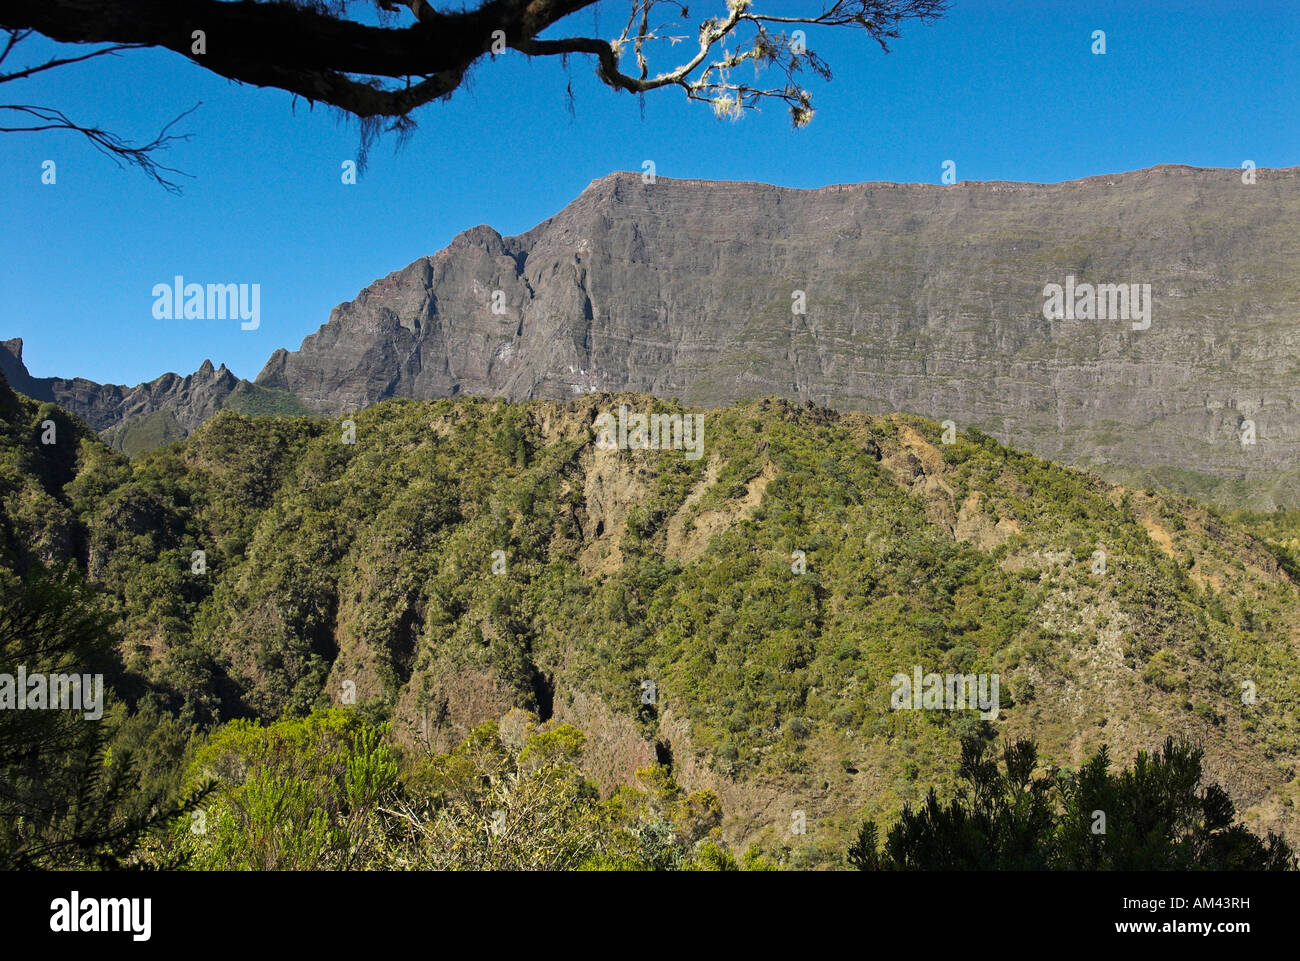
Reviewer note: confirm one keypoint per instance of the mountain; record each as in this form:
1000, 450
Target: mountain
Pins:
919, 298
739, 617
137, 418
916, 298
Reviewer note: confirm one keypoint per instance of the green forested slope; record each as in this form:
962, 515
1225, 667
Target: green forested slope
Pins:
364, 573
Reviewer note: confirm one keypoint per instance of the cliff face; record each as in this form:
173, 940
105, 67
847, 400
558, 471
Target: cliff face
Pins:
919, 298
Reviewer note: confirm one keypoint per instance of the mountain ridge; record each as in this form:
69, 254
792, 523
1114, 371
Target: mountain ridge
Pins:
131, 419
919, 297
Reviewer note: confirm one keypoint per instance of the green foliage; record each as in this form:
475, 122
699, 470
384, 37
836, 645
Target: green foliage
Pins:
144, 432
514, 797
329, 561
1152, 816
70, 795
299, 794
254, 400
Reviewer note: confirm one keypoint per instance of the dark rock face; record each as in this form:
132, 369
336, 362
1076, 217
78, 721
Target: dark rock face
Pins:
919, 298
190, 400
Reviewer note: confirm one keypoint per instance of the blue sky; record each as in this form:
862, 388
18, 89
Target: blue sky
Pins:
1008, 90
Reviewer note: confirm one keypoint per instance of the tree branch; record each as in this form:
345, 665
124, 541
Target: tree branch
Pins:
63, 62
123, 152
301, 49
309, 48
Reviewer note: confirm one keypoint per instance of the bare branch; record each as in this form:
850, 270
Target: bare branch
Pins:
123, 152
62, 62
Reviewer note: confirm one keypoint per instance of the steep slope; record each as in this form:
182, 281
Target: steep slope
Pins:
919, 298
660, 604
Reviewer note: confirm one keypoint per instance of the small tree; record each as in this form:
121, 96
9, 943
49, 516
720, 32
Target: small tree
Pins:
1152, 816
61, 788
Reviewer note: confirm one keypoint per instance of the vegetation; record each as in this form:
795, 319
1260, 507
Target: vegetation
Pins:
253, 400
1152, 816
146, 432
67, 799
329, 792
316, 623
